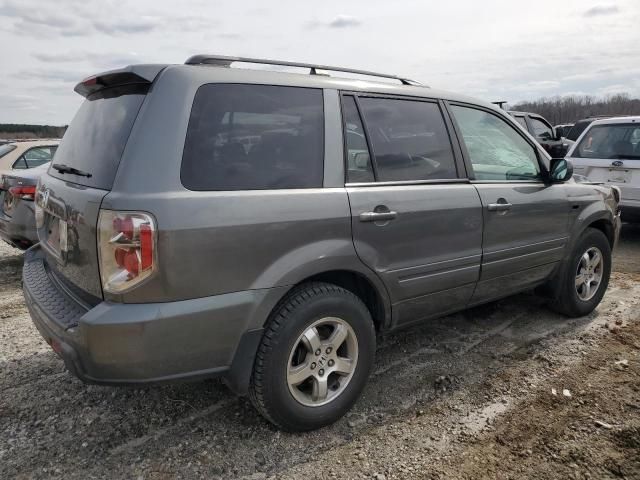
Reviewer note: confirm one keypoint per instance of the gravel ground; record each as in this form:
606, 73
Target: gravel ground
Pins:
466, 396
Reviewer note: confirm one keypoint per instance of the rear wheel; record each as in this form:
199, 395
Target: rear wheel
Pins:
586, 276
314, 358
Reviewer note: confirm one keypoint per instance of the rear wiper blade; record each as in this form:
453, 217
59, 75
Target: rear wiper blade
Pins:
62, 168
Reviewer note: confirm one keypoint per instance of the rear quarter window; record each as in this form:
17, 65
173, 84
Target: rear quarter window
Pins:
254, 137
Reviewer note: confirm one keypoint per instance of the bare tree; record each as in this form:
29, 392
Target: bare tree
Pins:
572, 108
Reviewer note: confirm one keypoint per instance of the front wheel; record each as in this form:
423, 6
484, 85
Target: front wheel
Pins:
586, 276
314, 358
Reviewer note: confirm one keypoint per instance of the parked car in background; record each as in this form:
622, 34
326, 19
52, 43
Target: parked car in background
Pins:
581, 125
552, 141
543, 132
17, 210
201, 220
27, 154
563, 129
608, 151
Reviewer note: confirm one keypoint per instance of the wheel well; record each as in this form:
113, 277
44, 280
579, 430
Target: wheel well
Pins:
360, 286
605, 227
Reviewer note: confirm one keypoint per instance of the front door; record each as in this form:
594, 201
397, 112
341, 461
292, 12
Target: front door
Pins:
525, 219
416, 222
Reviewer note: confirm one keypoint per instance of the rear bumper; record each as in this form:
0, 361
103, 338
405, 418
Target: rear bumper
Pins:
119, 344
19, 230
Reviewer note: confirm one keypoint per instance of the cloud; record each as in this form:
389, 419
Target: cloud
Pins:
537, 85
101, 60
56, 57
36, 20
118, 26
48, 75
601, 10
344, 21
19, 102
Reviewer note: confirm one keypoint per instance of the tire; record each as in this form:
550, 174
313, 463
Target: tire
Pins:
575, 301
311, 316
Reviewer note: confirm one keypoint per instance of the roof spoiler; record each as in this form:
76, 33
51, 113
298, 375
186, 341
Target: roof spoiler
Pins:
131, 75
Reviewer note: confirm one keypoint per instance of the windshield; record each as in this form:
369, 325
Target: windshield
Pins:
96, 138
611, 142
4, 149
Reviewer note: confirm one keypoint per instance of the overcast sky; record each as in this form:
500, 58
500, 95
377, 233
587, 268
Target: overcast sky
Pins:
492, 49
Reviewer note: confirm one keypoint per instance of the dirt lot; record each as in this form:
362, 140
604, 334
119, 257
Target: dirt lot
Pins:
467, 396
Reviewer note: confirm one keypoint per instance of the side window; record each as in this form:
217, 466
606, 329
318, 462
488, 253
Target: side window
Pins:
20, 164
497, 150
541, 129
409, 139
254, 137
359, 168
34, 157
522, 122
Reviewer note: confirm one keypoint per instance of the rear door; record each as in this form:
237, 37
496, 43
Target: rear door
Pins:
610, 153
525, 219
416, 219
69, 203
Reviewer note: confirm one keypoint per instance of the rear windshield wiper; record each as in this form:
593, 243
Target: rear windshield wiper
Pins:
62, 168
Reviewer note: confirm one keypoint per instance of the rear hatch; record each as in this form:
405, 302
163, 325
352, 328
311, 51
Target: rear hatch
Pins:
82, 174
610, 153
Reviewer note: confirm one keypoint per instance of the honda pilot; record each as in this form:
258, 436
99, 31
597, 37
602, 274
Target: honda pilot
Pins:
205, 220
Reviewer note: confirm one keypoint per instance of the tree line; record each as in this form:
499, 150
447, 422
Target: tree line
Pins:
569, 109
21, 131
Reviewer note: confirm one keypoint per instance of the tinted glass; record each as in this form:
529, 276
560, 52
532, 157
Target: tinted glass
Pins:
359, 167
610, 142
96, 138
409, 140
497, 150
577, 129
522, 121
4, 149
541, 129
254, 137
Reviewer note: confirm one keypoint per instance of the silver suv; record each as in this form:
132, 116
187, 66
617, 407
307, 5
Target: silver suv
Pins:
201, 220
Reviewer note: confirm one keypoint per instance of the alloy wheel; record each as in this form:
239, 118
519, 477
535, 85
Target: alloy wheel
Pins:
322, 362
589, 274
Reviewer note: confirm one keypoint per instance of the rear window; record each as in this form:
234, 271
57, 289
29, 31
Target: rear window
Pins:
610, 142
96, 138
4, 149
254, 137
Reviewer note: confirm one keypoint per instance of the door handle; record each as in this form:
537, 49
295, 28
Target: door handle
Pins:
377, 216
498, 207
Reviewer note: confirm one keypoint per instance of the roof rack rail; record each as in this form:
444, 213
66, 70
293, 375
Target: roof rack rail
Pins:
225, 61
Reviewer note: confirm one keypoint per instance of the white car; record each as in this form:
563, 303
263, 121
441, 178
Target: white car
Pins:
608, 151
28, 154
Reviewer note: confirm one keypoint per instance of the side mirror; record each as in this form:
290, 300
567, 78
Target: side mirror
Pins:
560, 170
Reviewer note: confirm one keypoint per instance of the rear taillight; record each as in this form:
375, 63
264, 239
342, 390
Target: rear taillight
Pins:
127, 249
24, 193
